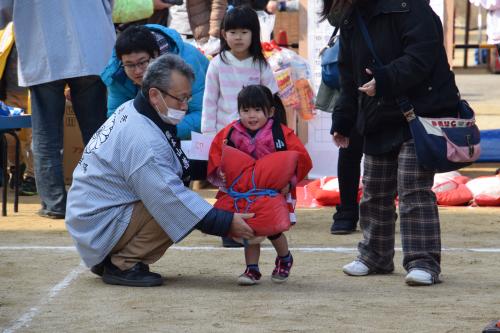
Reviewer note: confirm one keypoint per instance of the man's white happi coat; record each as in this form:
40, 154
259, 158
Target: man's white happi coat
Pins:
128, 160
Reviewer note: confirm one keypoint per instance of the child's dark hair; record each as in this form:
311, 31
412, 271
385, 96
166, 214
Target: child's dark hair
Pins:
260, 96
243, 17
136, 38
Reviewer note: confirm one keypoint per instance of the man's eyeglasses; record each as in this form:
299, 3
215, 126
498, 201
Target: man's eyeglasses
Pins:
186, 99
141, 65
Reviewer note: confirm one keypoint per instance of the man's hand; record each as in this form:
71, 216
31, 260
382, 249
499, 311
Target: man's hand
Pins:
340, 140
370, 87
239, 228
160, 5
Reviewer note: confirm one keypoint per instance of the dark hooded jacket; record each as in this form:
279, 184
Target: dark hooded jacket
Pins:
408, 38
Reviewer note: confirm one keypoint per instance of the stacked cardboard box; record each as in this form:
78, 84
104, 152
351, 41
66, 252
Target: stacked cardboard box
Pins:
289, 23
494, 61
73, 143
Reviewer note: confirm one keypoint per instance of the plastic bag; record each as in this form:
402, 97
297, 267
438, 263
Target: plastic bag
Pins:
7, 110
287, 91
288, 67
306, 98
266, 25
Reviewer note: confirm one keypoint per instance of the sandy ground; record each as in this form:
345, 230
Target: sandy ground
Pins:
44, 289
482, 91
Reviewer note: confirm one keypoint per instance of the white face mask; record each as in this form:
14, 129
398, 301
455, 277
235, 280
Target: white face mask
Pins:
173, 116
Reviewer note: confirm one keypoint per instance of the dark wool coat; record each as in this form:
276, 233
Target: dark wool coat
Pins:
408, 38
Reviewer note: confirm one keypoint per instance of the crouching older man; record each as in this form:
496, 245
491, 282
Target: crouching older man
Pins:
128, 202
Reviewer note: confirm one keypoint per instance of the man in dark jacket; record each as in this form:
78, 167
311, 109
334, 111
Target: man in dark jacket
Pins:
408, 39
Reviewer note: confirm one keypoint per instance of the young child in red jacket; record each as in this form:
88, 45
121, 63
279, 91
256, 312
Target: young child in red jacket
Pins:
260, 132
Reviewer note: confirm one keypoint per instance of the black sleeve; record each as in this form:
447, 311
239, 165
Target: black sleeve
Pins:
346, 108
421, 42
217, 222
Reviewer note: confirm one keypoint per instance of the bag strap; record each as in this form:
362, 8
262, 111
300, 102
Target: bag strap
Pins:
404, 103
367, 38
278, 136
331, 41
228, 137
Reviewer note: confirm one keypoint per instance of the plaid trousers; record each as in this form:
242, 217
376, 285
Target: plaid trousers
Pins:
385, 176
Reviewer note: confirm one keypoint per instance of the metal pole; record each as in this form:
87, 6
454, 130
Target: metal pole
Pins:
3, 143
17, 173
467, 27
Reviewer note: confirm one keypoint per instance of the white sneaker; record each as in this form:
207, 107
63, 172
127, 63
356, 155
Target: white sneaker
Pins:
419, 277
356, 268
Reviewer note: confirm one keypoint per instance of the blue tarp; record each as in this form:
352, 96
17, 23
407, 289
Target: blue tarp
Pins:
13, 122
490, 146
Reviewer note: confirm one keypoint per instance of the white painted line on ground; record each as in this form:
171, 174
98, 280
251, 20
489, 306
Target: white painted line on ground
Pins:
28, 316
28, 247
264, 248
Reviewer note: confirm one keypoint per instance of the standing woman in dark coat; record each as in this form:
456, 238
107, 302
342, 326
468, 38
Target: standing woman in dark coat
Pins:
408, 38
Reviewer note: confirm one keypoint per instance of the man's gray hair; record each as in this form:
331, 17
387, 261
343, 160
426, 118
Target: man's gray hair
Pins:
159, 73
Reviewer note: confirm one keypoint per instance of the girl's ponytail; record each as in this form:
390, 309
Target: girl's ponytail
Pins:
279, 110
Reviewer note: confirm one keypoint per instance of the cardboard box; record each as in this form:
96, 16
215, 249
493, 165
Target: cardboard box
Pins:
289, 23
73, 143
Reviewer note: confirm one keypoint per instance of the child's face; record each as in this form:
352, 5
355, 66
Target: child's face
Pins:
254, 118
239, 40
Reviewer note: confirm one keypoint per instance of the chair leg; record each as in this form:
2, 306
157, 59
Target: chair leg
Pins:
4, 174
16, 174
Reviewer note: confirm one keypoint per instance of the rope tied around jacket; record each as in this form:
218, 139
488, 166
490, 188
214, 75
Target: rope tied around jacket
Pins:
254, 191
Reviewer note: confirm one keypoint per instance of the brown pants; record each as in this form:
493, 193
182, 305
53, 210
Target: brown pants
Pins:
143, 241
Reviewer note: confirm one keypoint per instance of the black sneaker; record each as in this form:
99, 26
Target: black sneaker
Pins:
28, 187
345, 220
50, 215
343, 227
99, 268
137, 276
